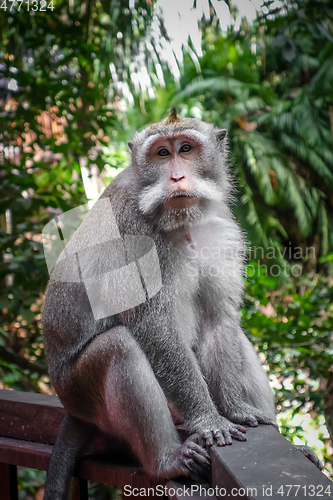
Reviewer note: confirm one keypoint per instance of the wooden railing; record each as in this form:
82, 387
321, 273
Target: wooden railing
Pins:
264, 466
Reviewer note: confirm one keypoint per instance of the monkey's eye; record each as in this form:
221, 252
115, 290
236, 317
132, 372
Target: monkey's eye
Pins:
163, 152
185, 148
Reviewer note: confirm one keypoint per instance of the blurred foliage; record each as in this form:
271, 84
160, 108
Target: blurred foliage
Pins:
70, 103
292, 328
56, 120
107, 492
31, 480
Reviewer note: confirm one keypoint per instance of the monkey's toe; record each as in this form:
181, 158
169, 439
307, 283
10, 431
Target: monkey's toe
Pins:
197, 438
310, 455
251, 416
197, 453
189, 460
268, 421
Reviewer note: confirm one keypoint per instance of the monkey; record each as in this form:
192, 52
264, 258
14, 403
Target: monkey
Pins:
178, 349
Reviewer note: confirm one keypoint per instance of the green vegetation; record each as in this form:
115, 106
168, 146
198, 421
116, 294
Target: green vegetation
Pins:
74, 85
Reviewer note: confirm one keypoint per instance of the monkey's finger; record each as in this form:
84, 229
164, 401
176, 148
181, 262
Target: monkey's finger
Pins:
251, 421
227, 437
240, 428
220, 437
237, 435
208, 437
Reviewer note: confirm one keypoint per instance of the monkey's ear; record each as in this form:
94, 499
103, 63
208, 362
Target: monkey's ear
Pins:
221, 134
130, 145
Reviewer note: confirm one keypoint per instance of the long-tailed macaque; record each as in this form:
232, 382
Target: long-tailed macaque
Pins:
180, 345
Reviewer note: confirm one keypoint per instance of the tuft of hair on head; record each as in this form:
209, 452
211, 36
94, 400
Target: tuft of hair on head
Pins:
172, 117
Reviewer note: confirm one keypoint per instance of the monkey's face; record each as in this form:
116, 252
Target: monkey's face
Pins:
177, 179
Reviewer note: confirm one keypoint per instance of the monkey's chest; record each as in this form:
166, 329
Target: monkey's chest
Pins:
182, 290
193, 288
193, 297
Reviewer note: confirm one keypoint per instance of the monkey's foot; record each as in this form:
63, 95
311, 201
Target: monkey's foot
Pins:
310, 454
190, 460
248, 415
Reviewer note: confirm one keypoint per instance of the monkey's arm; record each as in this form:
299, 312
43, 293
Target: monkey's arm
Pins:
233, 371
176, 369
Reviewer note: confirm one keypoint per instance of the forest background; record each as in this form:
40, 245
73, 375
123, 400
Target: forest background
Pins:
78, 78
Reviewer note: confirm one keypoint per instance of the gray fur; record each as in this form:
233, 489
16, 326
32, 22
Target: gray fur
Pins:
185, 345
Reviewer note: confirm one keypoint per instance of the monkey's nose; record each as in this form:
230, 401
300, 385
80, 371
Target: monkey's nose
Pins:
177, 176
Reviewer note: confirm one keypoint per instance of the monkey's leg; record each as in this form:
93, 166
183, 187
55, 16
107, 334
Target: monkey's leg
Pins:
129, 403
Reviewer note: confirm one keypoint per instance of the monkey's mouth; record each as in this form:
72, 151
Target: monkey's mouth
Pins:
180, 200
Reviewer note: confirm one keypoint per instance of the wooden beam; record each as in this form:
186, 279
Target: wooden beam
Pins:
37, 417
106, 470
266, 466
30, 416
25, 453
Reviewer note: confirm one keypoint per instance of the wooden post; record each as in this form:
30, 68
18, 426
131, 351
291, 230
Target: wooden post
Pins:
79, 489
8, 482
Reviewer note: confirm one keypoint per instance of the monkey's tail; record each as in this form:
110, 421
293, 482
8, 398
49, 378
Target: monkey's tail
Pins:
72, 438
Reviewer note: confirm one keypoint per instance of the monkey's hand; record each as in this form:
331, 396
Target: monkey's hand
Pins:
219, 429
248, 415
